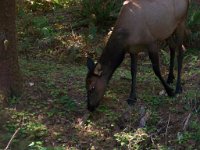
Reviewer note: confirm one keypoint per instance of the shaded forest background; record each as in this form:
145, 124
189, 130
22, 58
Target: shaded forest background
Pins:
54, 38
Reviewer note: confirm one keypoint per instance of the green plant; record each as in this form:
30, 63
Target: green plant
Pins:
132, 140
100, 12
194, 19
196, 128
68, 103
183, 137
190, 136
154, 101
193, 23
61, 98
27, 124
38, 145
37, 130
14, 100
110, 114
165, 57
153, 120
64, 3
34, 31
41, 25
38, 5
92, 32
191, 101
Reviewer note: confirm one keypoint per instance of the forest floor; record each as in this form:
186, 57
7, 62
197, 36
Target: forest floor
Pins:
51, 113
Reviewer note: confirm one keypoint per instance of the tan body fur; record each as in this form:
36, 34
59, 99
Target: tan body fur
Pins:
141, 25
158, 19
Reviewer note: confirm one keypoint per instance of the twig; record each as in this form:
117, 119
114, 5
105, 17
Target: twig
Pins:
152, 140
16, 131
13, 136
159, 131
186, 122
73, 34
167, 128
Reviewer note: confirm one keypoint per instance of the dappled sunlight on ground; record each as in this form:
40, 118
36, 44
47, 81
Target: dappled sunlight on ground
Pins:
52, 114
53, 110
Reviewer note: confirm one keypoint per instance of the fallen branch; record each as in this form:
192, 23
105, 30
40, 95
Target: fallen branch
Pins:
186, 122
152, 140
144, 117
13, 136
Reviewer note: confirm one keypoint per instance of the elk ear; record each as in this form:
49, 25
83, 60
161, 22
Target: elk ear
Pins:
98, 70
90, 64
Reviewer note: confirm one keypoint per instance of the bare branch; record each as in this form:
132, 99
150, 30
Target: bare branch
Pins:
187, 121
144, 117
13, 136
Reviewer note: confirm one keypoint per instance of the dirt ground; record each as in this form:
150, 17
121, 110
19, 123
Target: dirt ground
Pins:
52, 115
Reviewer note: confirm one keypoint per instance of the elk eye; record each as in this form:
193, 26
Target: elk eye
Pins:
92, 89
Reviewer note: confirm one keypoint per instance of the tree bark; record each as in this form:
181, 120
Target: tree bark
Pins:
10, 77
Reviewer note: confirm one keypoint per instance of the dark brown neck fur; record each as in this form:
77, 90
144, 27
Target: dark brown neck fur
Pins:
113, 53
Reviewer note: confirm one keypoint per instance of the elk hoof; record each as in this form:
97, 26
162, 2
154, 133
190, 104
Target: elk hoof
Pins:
178, 90
131, 101
170, 92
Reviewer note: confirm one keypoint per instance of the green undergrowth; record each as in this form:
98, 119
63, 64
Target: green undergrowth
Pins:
53, 108
51, 114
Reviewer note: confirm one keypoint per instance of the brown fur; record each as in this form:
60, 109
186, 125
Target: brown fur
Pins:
140, 26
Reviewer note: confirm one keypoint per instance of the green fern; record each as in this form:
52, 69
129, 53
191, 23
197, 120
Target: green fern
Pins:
194, 19
100, 12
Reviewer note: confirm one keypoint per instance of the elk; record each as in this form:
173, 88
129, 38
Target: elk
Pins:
141, 24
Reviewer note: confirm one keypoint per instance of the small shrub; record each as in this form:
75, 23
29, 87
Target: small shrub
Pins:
100, 12
132, 140
193, 23
38, 6
194, 20
196, 128
64, 3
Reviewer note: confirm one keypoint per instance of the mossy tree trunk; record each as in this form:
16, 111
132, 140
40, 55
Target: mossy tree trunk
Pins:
10, 77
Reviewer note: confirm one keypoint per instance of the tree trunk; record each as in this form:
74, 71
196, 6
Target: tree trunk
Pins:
10, 77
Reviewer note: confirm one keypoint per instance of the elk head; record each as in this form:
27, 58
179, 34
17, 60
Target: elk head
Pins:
95, 84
